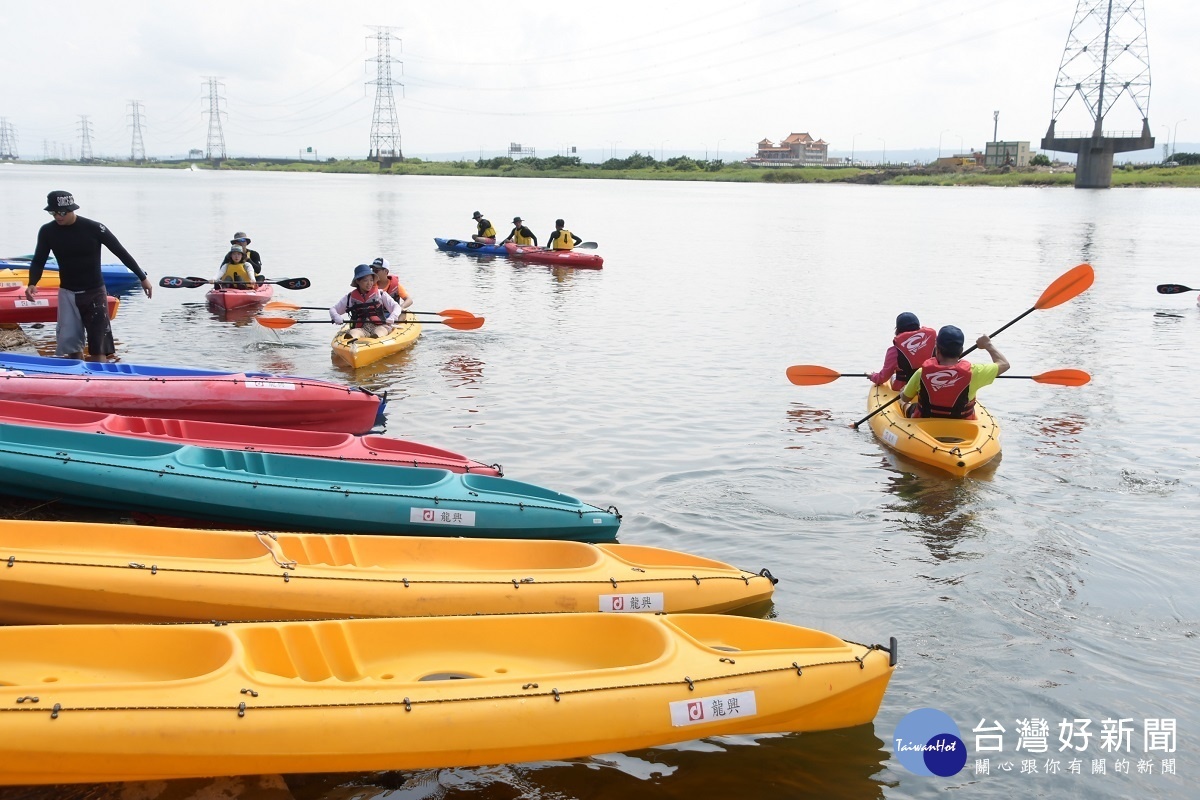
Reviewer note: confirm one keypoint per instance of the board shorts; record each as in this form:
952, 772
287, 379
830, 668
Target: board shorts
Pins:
84, 314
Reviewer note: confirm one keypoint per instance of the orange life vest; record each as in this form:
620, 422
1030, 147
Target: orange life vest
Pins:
944, 390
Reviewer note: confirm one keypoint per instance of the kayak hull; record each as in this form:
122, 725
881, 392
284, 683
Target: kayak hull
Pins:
284, 492
233, 299
956, 446
555, 258
117, 277
67, 572
266, 400
157, 702
252, 438
43, 308
367, 350
471, 247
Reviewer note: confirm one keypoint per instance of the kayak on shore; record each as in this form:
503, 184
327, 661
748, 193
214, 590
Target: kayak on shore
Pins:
14, 307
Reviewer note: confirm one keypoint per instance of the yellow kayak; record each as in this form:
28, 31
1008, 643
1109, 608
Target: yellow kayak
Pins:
93, 703
367, 350
954, 445
20, 277
63, 572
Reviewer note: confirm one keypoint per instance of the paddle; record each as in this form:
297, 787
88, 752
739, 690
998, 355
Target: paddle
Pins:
171, 282
586, 246
458, 323
1174, 288
1070, 284
813, 375
282, 305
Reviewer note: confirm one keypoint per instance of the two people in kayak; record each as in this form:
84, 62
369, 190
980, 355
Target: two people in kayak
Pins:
371, 308
936, 380
242, 267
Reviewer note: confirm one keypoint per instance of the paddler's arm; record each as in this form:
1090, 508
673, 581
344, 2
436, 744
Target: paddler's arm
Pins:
985, 343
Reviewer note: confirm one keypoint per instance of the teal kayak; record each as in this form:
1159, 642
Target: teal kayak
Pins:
286, 492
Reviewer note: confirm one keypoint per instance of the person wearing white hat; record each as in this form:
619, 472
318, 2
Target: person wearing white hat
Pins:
390, 284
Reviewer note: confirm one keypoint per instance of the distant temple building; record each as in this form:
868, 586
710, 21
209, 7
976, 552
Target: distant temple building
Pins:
797, 150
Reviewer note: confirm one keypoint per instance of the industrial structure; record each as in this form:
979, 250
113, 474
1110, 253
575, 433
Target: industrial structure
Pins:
85, 139
214, 149
8, 140
385, 123
1106, 59
137, 148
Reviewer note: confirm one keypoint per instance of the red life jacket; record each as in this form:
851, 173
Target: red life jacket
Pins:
395, 289
944, 390
913, 348
365, 308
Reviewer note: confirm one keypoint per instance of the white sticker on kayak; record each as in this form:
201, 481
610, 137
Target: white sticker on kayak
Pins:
10, 284
890, 437
30, 303
269, 385
632, 603
711, 709
441, 516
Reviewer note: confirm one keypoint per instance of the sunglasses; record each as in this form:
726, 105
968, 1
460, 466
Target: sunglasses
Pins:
59, 213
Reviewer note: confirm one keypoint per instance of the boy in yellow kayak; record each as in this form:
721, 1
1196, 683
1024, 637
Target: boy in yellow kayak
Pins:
946, 384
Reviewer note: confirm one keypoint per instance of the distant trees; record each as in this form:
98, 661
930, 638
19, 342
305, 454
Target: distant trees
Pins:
1040, 160
1186, 159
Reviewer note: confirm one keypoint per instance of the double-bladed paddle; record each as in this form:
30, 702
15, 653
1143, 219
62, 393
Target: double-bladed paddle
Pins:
171, 282
1174, 288
458, 323
1070, 284
282, 305
813, 375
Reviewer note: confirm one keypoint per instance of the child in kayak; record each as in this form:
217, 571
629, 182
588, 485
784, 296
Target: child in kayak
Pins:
911, 347
946, 384
235, 271
389, 283
371, 311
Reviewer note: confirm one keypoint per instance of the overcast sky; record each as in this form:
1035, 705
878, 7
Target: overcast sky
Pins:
652, 76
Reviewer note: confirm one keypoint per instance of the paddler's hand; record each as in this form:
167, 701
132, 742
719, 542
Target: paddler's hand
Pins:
30, 292
147, 287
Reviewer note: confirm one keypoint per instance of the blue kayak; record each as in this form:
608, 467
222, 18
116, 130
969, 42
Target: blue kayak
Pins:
71, 366
117, 277
475, 248
286, 492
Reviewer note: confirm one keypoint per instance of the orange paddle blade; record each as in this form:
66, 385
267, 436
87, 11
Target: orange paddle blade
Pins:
811, 375
1070, 284
463, 323
454, 312
282, 305
1063, 377
275, 322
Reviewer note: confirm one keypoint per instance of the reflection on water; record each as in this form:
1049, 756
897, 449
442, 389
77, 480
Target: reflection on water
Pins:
938, 511
1061, 435
463, 371
805, 420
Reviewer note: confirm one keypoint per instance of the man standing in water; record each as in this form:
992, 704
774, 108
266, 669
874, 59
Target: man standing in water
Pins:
82, 298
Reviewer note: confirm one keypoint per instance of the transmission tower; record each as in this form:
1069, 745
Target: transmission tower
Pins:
8, 140
215, 148
385, 123
137, 150
1106, 60
85, 139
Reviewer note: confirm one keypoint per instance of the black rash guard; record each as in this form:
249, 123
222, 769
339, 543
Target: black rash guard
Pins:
77, 248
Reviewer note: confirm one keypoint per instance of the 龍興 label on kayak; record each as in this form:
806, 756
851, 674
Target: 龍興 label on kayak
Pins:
711, 709
270, 385
441, 516
632, 603
890, 438
30, 303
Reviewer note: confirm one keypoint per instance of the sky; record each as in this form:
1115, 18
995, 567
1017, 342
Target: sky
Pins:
867, 76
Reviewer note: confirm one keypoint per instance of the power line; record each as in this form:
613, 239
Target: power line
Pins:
385, 124
137, 149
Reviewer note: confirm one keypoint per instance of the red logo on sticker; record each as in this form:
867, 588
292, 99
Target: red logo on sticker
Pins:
695, 711
618, 603
427, 515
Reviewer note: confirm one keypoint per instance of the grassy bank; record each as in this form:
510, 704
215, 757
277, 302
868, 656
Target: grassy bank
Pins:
640, 167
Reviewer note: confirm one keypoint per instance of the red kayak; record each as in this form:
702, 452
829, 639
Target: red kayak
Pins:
43, 308
230, 299
224, 436
555, 258
270, 401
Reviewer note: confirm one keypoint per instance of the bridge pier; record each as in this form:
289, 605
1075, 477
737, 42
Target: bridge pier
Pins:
1094, 154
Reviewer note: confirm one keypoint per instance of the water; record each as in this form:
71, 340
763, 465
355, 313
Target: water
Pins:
1057, 585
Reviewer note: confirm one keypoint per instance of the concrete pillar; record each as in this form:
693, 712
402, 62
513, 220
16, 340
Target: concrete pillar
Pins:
1094, 164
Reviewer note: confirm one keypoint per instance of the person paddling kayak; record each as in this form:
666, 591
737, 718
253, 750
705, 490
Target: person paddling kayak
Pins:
371, 311
235, 270
562, 239
520, 234
946, 384
484, 233
911, 347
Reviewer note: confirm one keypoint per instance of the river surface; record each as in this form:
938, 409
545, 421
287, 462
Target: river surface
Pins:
1058, 585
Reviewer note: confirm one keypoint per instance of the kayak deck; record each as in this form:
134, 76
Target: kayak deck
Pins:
957, 446
369, 349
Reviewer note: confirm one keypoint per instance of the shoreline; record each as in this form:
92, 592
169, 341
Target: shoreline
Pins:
688, 170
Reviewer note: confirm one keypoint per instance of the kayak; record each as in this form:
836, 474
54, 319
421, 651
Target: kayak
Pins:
67, 572
11, 277
117, 277
74, 366
100, 703
260, 399
475, 248
14, 307
957, 446
555, 258
369, 349
285, 492
284, 441
231, 299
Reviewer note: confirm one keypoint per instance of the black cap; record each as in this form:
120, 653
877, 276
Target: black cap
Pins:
907, 321
60, 200
950, 341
